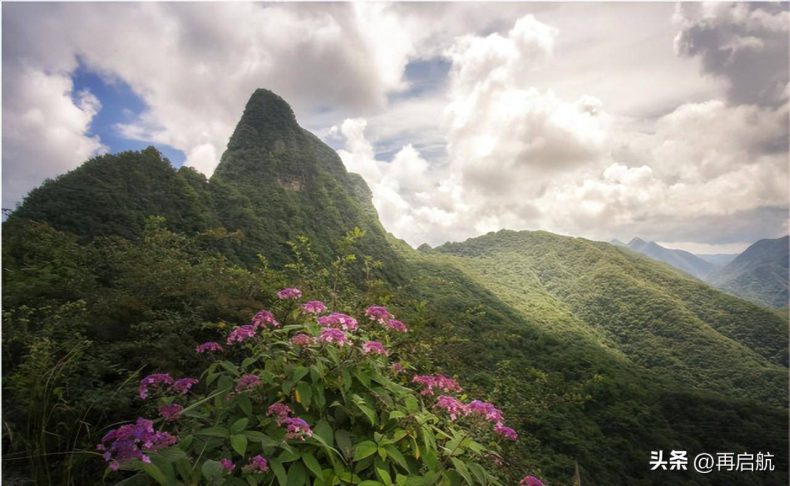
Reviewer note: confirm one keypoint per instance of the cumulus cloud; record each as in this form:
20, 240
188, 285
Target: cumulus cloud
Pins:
44, 126
542, 122
745, 43
195, 65
522, 158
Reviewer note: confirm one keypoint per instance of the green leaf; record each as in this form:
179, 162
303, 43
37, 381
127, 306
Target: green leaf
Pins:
297, 476
305, 394
365, 449
157, 474
396, 454
279, 471
462, 470
172, 454
396, 414
239, 443
216, 431
365, 408
312, 464
382, 472
288, 456
323, 430
343, 439
412, 406
299, 373
248, 361
211, 470
239, 425
244, 404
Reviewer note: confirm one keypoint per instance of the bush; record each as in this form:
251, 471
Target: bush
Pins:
315, 397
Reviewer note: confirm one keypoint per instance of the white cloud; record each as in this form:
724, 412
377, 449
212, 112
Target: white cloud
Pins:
195, 65
575, 118
43, 128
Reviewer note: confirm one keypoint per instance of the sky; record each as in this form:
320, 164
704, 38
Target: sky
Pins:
668, 122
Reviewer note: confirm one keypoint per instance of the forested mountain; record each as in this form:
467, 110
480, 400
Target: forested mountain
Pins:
680, 259
596, 355
758, 274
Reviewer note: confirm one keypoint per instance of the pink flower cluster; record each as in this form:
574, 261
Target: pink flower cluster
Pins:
456, 409
396, 325
258, 464
374, 347
302, 339
295, 427
133, 441
171, 413
247, 382
155, 379
440, 382
182, 385
381, 315
332, 335
530, 481
208, 347
227, 465
264, 318
280, 411
239, 334
289, 293
313, 307
378, 313
339, 321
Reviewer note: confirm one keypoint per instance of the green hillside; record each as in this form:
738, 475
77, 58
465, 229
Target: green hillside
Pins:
596, 355
758, 274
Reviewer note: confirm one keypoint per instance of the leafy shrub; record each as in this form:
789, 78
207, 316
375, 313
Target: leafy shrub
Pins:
314, 397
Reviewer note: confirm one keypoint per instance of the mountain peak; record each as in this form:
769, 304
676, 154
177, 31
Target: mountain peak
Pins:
636, 241
267, 119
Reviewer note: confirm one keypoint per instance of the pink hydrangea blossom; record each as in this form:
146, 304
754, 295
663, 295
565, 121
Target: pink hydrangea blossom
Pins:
183, 385
453, 406
396, 325
374, 347
227, 464
171, 413
133, 441
289, 293
297, 428
339, 321
378, 313
280, 411
153, 380
332, 335
530, 481
247, 382
485, 410
208, 347
313, 307
257, 464
302, 339
439, 382
264, 318
505, 432
239, 334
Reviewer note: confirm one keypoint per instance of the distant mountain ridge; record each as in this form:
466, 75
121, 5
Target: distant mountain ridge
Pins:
759, 274
680, 259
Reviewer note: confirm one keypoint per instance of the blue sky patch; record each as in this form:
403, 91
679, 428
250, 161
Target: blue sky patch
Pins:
119, 104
